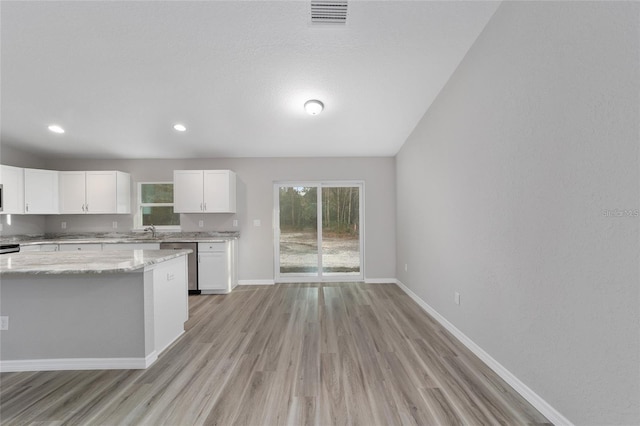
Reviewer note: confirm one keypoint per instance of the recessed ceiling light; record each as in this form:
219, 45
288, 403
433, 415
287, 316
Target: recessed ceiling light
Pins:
313, 106
56, 129
179, 127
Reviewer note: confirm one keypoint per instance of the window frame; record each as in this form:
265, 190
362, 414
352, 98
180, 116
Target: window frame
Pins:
138, 226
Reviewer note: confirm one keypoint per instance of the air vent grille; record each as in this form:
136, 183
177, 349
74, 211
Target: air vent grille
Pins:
328, 11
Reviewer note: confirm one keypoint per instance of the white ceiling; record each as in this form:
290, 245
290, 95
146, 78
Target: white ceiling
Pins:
118, 74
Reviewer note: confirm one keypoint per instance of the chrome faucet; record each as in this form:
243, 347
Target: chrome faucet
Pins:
151, 228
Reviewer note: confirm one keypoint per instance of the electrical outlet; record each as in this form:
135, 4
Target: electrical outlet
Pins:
235, 222
63, 225
114, 224
4, 323
405, 267
456, 298
256, 222
201, 223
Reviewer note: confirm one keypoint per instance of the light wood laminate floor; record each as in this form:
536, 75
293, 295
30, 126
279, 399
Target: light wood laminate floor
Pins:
323, 354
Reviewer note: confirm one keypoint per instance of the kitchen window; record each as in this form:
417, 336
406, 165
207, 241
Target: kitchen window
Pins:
155, 206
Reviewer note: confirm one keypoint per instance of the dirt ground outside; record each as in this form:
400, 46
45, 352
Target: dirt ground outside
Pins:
299, 254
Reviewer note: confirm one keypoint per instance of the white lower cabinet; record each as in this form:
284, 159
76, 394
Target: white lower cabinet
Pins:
216, 267
169, 293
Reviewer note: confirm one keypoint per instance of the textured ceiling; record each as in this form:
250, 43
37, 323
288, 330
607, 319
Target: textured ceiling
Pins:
118, 75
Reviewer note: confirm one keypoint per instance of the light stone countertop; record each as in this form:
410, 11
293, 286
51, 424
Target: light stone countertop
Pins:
87, 262
116, 238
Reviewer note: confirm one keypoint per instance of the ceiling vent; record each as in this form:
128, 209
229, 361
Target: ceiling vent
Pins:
328, 11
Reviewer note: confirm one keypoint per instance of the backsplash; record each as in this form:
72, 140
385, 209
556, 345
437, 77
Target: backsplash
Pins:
13, 224
41, 224
125, 223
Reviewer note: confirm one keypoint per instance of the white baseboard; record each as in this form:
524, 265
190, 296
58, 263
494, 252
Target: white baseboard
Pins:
553, 415
78, 364
256, 282
380, 281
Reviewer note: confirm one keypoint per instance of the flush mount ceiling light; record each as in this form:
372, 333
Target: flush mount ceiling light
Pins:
56, 129
313, 107
179, 127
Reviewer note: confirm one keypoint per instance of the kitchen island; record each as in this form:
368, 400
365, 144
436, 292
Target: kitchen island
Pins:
90, 310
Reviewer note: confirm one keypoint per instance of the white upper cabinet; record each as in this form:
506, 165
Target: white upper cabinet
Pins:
40, 191
219, 191
188, 189
12, 180
204, 191
72, 192
108, 192
95, 192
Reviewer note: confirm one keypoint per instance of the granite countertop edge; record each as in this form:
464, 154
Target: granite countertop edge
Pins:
108, 238
88, 262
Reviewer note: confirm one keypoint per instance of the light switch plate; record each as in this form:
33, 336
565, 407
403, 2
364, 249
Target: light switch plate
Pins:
63, 225
256, 222
4, 323
235, 222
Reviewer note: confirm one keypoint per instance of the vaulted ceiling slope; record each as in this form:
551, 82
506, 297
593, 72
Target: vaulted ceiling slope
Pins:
118, 74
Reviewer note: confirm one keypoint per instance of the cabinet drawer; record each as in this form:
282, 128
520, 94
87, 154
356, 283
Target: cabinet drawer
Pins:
80, 247
211, 247
131, 246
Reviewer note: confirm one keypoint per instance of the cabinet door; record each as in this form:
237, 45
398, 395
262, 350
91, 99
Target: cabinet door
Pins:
40, 191
187, 191
72, 192
170, 301
123, 192
212, 273
101, 192
12, 180
217, 191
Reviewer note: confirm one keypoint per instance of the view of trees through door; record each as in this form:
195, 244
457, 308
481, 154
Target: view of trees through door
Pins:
332, 209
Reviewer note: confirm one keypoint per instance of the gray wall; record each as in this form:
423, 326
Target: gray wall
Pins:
501, 195
255, 201
11, 155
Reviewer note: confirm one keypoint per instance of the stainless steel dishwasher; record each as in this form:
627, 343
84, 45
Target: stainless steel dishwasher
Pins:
192, 262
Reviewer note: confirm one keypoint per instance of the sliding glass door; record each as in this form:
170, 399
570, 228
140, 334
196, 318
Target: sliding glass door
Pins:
318, 231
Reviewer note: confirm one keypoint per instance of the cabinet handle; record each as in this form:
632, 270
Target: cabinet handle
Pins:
205, 206
86, 207
170, 276
26, 207
200, 206
83, 207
